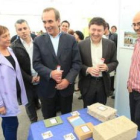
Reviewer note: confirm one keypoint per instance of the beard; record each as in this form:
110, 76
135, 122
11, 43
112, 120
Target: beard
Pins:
137, 30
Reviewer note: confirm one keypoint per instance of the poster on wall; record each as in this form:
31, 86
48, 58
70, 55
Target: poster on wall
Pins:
129, 39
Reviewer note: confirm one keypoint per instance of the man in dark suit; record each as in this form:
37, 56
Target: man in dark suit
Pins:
109, 35
57, 60
98, 57
114, 38
23, 49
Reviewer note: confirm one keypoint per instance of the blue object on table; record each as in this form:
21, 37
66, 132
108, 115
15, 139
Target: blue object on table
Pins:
36, 129
76, 121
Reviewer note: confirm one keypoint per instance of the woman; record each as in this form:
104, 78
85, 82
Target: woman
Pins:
12, 88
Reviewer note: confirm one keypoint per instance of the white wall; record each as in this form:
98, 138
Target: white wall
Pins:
127, 11
75, 11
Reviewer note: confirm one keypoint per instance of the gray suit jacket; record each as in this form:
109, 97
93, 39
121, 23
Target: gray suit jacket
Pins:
45, 60
109, 54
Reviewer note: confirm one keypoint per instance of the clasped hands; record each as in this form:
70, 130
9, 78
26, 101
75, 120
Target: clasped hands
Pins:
57, 76
95, 71
35, 79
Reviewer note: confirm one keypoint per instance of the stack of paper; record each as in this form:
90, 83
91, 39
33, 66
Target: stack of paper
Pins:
75, 120
102, 112
53, 121
120, 128
84, 131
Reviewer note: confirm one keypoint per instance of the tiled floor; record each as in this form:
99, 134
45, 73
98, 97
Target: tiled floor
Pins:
24, 122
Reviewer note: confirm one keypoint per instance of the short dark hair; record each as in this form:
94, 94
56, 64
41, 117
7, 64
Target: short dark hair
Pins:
80, 34
97, 21
65, 22
114, 27
20, 21
107, 25
56, 12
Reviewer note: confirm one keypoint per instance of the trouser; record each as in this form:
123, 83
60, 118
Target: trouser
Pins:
32, 101
9, 126
134, 98
112, 83
49, 105
95, 93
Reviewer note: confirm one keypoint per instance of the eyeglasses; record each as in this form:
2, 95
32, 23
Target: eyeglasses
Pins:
136, 24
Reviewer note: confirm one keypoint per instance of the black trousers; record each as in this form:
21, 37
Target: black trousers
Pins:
32, 102
49, 105
95, 93
134, 98
112, 83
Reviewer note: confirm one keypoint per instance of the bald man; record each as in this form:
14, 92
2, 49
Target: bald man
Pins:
133, 83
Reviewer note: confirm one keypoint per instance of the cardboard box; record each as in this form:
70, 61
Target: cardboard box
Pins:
102, 112
84, 131
120, 128
75, 120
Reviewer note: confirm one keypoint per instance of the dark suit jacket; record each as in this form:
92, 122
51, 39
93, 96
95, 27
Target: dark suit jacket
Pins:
45, 60
24, 62
109, 54
113, 37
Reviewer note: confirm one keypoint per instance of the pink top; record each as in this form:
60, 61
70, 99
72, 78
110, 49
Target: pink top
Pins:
134, 73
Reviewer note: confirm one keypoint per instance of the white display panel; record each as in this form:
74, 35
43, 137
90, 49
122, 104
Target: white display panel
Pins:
127, 11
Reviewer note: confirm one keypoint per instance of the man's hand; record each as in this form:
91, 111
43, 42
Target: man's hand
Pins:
103, 67
93, 71
37, 79
63, 84
2, 110
129, 89
57, 75
34, 78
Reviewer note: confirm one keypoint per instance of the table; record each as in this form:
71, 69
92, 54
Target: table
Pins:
60, 130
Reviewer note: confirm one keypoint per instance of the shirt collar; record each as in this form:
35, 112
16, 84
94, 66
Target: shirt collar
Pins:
23, 42
59, 34
93, 42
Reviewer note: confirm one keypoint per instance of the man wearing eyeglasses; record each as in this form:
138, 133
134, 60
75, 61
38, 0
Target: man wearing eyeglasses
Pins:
133, 83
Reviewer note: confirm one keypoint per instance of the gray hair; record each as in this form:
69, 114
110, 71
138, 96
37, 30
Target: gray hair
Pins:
57, 14
20, 21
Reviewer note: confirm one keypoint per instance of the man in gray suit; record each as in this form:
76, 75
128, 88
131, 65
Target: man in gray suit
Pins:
98, 57
57, 60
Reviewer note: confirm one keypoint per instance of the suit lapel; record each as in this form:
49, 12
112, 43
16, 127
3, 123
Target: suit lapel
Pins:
60, 45
20, 44
4, 61
104, 48
14, 57
89, 51
49, 45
